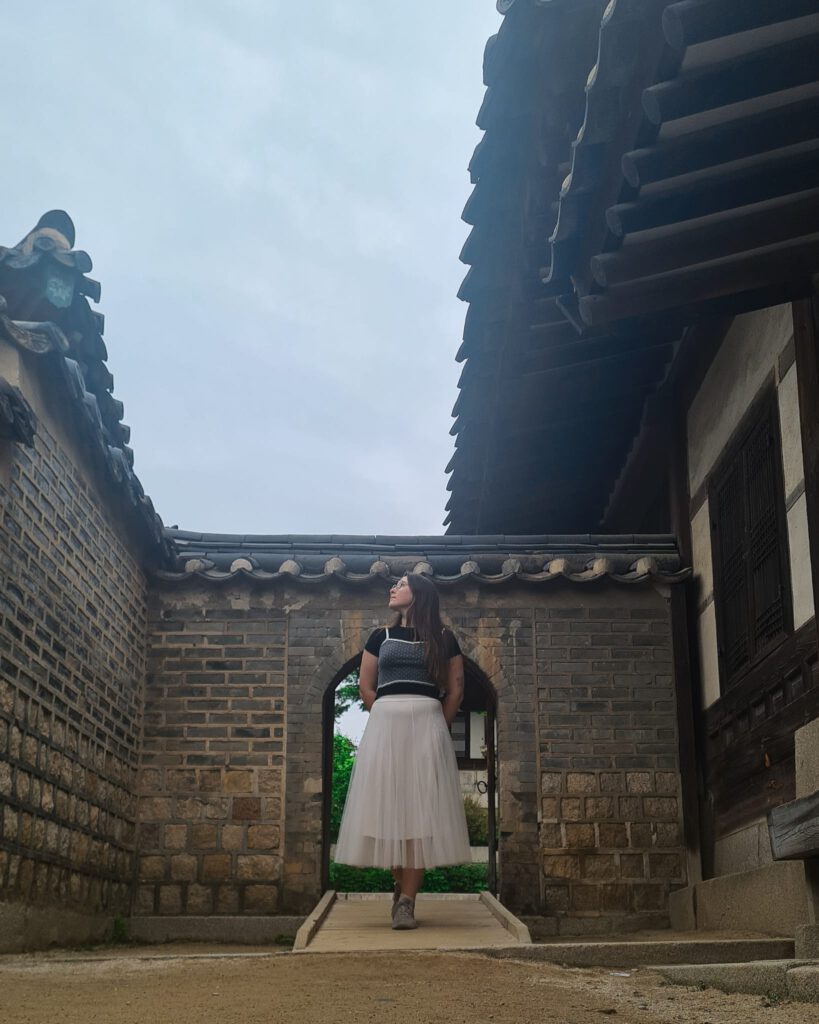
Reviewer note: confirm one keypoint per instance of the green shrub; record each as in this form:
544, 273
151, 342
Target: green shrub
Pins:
343, 759
459, 878
477, 822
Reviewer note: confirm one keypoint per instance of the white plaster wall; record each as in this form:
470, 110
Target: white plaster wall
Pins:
706, 623
745, 359
793, 465
793, 470
709, 662
801, 578
701, 553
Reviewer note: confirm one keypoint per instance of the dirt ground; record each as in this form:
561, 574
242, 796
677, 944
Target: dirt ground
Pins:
154, 986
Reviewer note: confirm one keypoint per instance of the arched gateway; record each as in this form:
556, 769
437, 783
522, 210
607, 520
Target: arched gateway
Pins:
247, 636
474, 736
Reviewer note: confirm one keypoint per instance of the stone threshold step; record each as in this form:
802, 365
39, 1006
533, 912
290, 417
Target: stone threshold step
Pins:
780, 979
648, 954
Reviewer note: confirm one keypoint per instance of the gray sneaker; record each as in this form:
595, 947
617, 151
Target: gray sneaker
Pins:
396, 895
403, 917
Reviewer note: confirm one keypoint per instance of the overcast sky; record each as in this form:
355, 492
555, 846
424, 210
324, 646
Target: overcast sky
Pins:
271, 194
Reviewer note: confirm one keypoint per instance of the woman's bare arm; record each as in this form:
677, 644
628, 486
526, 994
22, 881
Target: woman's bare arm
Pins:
454, 688
368, 679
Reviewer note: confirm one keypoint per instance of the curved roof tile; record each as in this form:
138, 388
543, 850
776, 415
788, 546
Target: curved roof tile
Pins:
449, 560
73, 340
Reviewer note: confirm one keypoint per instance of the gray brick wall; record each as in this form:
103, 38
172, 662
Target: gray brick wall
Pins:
589, 805
211, 780
72, 643
610, 811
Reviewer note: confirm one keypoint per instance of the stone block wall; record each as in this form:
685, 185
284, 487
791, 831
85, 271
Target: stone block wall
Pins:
210, 786
590, 815
611, 821
72, 646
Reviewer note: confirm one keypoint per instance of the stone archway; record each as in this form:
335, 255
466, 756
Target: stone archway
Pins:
479, 697
328, 723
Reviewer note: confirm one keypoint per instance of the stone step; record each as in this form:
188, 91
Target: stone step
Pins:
780, 979
651, 953
357, 922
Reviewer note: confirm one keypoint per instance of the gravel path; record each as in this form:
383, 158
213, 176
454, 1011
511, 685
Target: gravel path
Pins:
155, 986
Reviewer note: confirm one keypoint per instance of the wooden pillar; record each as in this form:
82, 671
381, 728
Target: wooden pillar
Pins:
683, 622
806, 341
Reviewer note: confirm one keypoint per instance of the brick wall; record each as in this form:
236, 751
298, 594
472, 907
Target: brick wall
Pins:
588, 780
72, 639
610, 808
210, 786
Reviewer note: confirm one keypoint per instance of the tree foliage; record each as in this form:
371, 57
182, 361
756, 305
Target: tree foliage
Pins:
477, 822
343, 760
347, 695
459, 878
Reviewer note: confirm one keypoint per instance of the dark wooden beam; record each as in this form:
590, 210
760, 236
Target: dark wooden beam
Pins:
686, 698
696, 21
768, 70
795, 260
751, 180
707, 238
784, 125
794, 829
806, 344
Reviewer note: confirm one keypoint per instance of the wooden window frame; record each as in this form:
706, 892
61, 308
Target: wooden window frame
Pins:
765, 405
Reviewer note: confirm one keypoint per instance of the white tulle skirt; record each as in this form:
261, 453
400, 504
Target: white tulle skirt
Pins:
404, 806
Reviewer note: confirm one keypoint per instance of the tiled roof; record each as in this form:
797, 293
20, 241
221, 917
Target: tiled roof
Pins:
314, 558
546, 408
44, 310
692, 185
646, 165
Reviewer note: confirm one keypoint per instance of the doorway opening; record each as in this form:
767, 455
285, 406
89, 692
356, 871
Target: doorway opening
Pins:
474, 737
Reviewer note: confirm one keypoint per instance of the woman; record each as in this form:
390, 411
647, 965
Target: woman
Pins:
404, 808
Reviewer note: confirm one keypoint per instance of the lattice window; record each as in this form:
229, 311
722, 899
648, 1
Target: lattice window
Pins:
751, 585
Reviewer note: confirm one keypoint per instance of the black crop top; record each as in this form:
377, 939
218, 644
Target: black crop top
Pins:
373, 644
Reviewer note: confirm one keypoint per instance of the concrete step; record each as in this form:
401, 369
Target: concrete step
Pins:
357, 922
773, 900
629, 953
780, 979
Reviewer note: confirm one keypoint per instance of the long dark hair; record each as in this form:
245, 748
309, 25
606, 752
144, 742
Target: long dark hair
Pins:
424, 615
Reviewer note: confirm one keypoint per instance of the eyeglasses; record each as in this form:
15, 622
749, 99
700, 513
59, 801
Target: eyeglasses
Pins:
399, 585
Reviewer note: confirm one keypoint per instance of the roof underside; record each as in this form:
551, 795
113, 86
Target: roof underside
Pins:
644, 166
